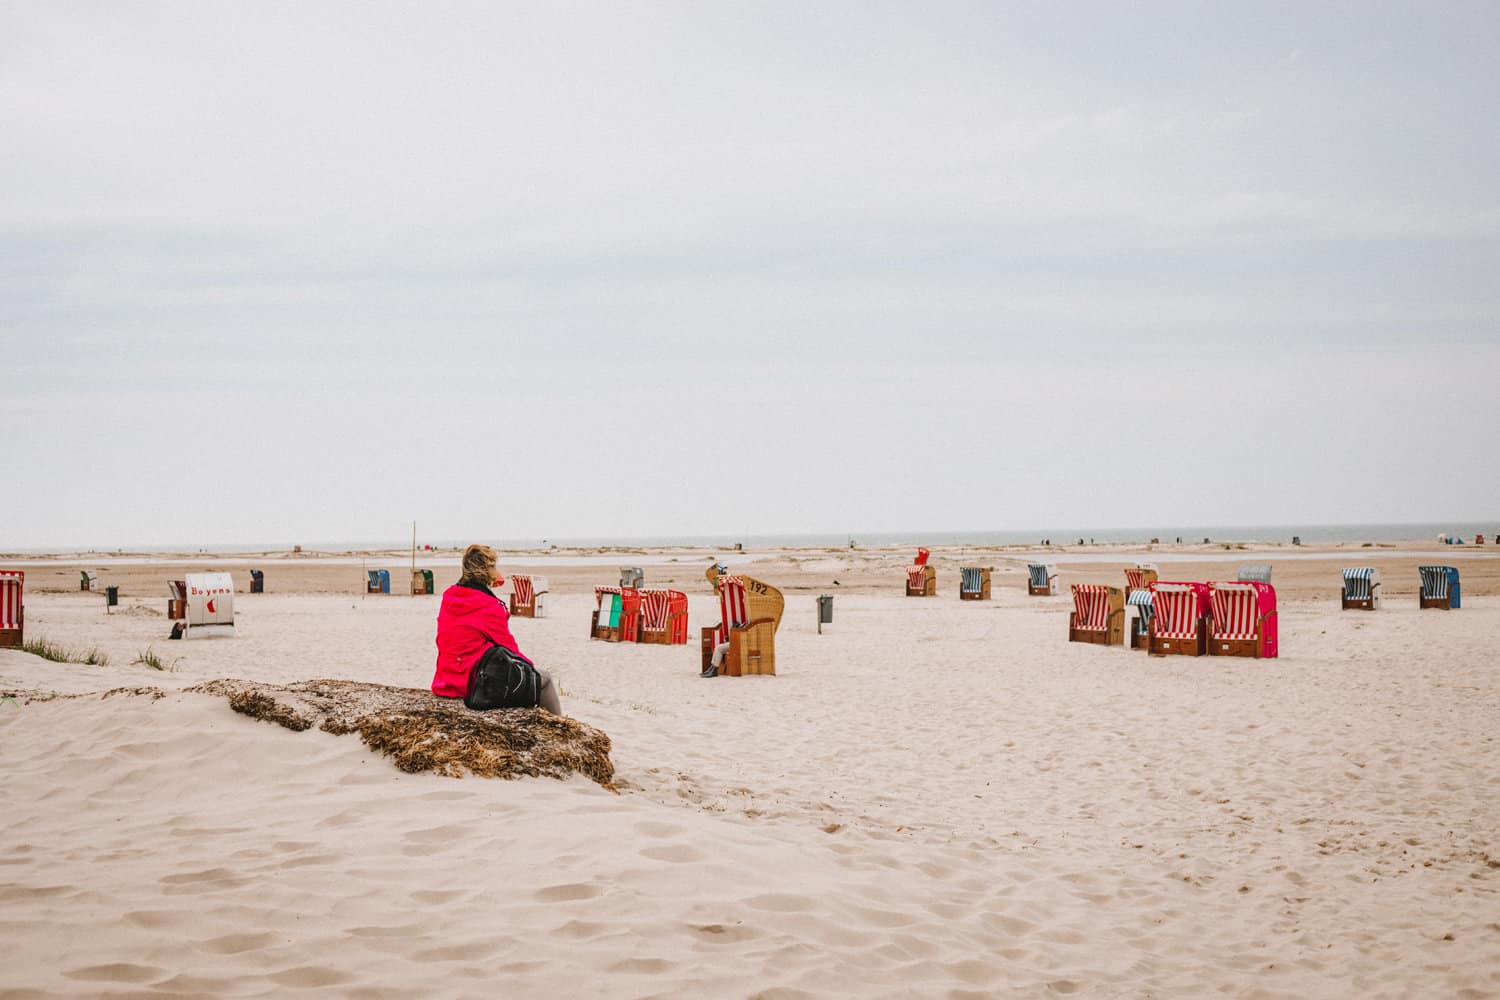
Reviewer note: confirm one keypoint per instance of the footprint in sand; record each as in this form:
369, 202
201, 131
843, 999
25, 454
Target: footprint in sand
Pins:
235, 944
116, 972
675, 853
567, 892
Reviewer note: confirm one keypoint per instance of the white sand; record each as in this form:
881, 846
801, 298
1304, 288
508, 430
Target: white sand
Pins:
933, 798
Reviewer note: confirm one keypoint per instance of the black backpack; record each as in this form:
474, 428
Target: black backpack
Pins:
502, 679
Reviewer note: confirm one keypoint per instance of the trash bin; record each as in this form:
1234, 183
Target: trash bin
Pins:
111, 597
825, 611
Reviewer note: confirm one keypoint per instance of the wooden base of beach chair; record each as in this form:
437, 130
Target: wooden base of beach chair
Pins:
1176, 646
1140, 638
928, 587
526, 611
752, 649
14, 636
1034, 591
1442, 603
1358, 604
1111, 635
983, 595
1235, 647
652, 637
257, 586
176, 609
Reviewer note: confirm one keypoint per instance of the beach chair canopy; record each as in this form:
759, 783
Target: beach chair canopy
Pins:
658, 606
1091, 606
916, 577
522, 590
1040, 573
971, 580
743, 599
210, 599
1359, 582
1239, 608
178, 589
256, 574
1142, 601
1177, 608
1255, 573
12, 593
1140, 577
1437, 580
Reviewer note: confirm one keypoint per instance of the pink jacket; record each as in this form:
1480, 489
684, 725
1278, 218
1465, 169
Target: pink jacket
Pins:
469, 621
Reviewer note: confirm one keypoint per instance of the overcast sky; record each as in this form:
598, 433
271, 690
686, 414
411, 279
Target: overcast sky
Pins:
301, 271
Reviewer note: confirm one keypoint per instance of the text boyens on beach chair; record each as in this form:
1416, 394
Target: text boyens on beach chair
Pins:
12, 607
617, 616
177, 603
257, 581
1098, 614
974, 583
1140, 625
1041, 579
378, 582
1139, 578
1439, 587
1361, 588
210, 605
1179, 619
750, 613
921, 579
664, 616
1244, 620
1255, 573
528, 596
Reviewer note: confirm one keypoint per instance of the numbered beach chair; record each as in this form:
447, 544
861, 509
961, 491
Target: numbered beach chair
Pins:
1255, 573
1439, 587
974, 583
617, 616
177, 603
1244, 620
257, 581
632, 576
1098, 614
921, 579
1361, 588
664, 617
1179, 619
1139, 578
210, 606
1041, 579
528, 596
749, 615
12, 607
1140, 625
379, 581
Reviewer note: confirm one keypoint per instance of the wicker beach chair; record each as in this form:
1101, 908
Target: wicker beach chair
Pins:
974, 583
1098, 614
1361, 589
1179, 619
633, 577
1041, 579
257, 581
617, 615
664, 616
528, 596
1140, 625
1139, 578
12, 607
921, 579
750, 613
1255, 573
87, 582
210, 606
1439, 587
1244, 620
378, 581
177, 603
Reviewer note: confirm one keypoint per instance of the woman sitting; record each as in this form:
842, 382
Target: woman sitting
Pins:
470, 621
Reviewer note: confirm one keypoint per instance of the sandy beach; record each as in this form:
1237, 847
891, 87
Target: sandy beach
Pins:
932, 798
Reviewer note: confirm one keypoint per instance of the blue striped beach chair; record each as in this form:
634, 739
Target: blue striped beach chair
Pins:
1041, 579
1255, 573
1361, 588
974, 583
1140, 629
1439, 587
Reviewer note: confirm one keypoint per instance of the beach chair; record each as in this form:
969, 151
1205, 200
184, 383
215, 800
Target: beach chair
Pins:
1140, 578
1255, 573
1179, 619
177, 603
1140, 625
429, 581
257, 581
1041, 579
921, 579
210, 606
88, 582
1439, 587
750, 613
528, 596
1098, 614
633, 577
1244, 620
664, 616
617, 615
12, 607
379, 581
1361, 588
974, 583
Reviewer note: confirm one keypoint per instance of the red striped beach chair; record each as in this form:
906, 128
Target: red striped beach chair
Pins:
177, 603
12, 607
617, 617
921, 579
1244, 620
664, 617
528, 596
1179, 619
1098, 615
750, 613
1139, 578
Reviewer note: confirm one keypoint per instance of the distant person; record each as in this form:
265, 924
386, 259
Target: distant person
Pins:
470, 620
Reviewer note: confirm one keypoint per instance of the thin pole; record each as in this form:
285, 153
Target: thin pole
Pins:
414, 558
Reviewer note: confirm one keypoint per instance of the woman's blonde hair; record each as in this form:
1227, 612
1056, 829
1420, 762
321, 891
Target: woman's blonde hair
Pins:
479, 565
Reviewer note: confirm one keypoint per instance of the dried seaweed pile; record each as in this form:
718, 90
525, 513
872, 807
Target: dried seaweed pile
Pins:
422, 732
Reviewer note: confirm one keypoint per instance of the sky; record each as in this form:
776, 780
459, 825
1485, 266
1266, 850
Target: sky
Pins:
281, 272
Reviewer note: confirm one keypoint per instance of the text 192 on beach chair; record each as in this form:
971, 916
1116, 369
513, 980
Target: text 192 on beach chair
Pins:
1244, 620
12, 607
177, 603
664, 616
617, 617
1361, 588
528, 596
750, 614
1140, 625
378, 581
257, 581
1141, 577
1439, 587
1179, 619
210, 606
921, 579
1098, 614
1041, 579
1255, 573
974, 583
